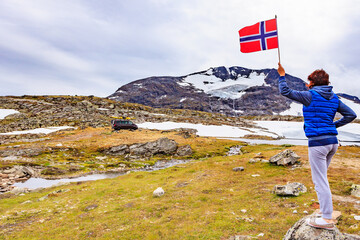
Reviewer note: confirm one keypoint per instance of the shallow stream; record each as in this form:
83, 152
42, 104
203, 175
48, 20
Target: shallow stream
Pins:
34, 183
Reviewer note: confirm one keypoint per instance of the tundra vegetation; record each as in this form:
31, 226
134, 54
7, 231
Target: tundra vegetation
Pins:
204, 198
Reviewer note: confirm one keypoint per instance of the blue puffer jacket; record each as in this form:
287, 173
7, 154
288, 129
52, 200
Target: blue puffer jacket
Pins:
319, 115
323, 93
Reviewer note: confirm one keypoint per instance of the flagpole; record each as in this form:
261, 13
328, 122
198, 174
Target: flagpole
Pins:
277, 29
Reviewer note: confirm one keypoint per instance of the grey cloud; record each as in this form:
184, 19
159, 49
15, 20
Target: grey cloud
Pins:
93, 47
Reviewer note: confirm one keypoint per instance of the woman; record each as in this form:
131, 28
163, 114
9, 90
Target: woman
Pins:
320, 106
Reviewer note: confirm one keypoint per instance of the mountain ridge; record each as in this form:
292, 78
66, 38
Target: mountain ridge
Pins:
185, 92
233, 91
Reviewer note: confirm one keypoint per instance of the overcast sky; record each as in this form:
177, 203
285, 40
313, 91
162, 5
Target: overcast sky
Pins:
89, 47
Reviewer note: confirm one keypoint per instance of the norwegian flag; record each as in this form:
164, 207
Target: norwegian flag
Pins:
258, 37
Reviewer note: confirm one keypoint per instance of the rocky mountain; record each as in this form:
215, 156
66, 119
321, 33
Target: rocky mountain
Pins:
30, 112
232, 91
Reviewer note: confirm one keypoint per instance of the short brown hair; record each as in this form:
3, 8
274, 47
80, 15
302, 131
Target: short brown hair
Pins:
317, 78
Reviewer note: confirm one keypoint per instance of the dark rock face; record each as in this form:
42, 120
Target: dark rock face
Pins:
169, 92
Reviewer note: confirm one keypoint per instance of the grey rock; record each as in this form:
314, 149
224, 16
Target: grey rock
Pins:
184, 150
301, 231
43, 198
355, 190
118, 150
158, 192
254, 160
235, 150
351, 236
238, 169
290, 189
284, 158
160, 146
186, 132
90, 207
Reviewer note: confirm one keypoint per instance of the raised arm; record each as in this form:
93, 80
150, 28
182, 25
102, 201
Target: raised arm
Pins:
303, 97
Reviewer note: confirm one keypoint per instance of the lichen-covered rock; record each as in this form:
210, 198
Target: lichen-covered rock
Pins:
290, 189
285, 158
184, 150
235, 150
160, 146
118, 150
351, 236
301, 231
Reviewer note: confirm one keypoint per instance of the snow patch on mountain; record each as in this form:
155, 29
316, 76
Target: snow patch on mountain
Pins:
46, 130
7, 112
294, 110
229, 88
209, 130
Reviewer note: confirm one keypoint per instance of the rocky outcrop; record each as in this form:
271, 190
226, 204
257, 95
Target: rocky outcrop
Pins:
287, 157
301, 231
161, 146
118, 150
290, 189
16, 151
89, 111
16, 174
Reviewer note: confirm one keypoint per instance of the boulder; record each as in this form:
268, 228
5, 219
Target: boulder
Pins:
158, 192
235, 150
351, 236
238, 169
301, 231
160, 146
254, 160
287, 157
118, 150
290, 189
18, 172
355, 190
184, 150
